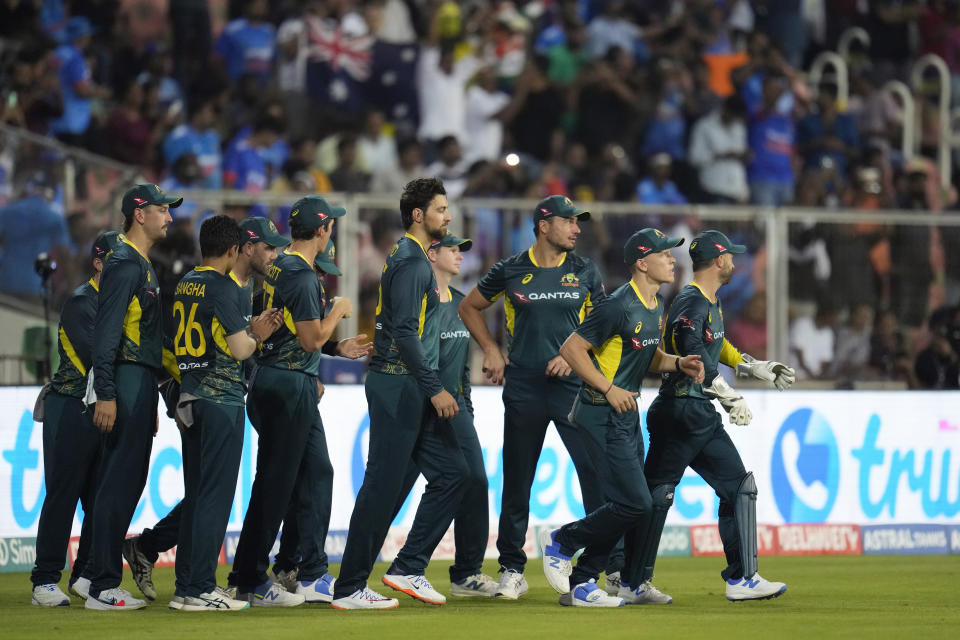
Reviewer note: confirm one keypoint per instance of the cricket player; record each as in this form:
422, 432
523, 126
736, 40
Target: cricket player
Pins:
71, 443
547, 291
612, 351
686, 430
127, 353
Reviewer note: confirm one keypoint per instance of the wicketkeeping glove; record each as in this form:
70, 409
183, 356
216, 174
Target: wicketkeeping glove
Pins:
779, 374
732, 401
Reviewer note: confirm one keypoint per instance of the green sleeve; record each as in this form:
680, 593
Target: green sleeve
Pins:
410, 281
226, 308
300, 292
76, 321
595, 285
493, 281
687, 333
118, 285
603, 322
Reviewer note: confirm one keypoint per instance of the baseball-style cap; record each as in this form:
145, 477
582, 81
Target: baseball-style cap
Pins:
260, 229
104, 243
143, 195
711, 244
558, 206
451, 240
312, 211
646, 241
325, 260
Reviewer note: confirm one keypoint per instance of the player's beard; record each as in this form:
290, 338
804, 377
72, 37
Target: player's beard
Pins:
436, 234
726, 275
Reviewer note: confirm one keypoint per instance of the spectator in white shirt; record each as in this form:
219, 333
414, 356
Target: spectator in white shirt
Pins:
442, 90
718, 148
451, 167
484, 126
812, 342
376, 146
292, 52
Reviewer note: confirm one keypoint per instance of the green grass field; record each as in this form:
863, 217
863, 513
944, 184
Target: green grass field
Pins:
836, 597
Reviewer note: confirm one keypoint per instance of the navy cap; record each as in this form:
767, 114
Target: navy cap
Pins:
560, 207
451, 240
711, 244
259, 229
646, 241
312, 211
104, 243
325, 260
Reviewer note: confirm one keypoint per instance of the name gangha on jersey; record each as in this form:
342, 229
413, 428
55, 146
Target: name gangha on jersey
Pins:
550, 295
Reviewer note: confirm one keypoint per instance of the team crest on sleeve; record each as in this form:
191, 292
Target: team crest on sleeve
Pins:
394, 249
570, 280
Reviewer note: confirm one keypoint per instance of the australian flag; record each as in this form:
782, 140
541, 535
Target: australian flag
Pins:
392, 85
339, 66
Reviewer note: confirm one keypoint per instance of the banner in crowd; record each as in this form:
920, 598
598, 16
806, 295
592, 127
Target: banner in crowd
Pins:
839, 458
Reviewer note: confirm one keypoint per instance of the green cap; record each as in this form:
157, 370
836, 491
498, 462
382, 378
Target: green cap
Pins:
646, 241
260, 229
143, 195
325, 260
451, 240
711, 244
559, 206
104, 243
312, 211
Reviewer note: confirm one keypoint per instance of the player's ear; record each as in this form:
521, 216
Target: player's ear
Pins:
418, 214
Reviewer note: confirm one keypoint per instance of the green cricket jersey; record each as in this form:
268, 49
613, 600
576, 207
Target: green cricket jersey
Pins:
543, 305
454, 347
75, 340
128, 317
407, 335
291, 285
695, 326
625, 333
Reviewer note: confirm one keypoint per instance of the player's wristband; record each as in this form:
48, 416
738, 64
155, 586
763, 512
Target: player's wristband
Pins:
677, 365
608, 389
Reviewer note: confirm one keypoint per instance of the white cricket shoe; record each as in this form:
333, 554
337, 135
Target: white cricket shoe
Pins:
415, 586
217, 600
646, 593
271, 594
319, 590
612, 587
479, 585
556, 564
116, 599
176, 603
588, 594
365, 598
286, 578
753, 588
511, 585
49, 595
80, 588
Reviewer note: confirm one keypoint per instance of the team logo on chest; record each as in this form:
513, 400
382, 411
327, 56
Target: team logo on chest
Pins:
570, 280
639, 326
527, 278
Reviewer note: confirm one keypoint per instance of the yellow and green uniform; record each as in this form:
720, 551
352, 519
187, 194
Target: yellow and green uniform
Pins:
71, 442
624, 331
454, 352
685, 428
293, 464
543, 306
127, 354
403, 424
208, 306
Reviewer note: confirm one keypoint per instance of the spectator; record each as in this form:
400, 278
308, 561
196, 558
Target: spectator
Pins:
891, 23
568, 56
889, 352
32, 98
293, 48
131, 134
483, 125
442, 89
347, 176
451, 167
938, 366
749, 330
658, 188
376, 148
612, 29
668, 129
606, 92
718, 149
199, 137
158, 69
248, 44
75, 84
827, 133
852, 350
534, 114
812, 342
299, 173
410, 166
911, 271
771, 137
192, 37
185, 174
785, 26
244, 167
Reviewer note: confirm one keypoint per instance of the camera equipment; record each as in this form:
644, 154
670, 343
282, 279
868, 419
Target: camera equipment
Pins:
44, 266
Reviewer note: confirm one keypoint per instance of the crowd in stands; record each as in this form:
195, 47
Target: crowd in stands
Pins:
660, 102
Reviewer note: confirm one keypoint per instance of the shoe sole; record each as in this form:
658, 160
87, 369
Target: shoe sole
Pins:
413, 594
342, 608
82, 596
768, 597
65, 603
95, 605
470, 593
194, 608
261, 603
319, 600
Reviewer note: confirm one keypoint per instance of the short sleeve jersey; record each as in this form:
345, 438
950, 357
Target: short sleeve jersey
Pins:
75, 340
291, 285
128, 323
543, 305
207, 307
625, 333
454, 344
694, 325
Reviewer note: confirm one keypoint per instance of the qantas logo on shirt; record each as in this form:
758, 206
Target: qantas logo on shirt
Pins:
685, 322
459, 333
640, 344
550, 295
711, 336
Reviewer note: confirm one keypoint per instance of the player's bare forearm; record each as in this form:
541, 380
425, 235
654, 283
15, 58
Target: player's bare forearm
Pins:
576, 351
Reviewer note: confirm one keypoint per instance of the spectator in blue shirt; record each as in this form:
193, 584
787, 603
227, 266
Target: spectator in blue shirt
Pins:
244, 167
771, 137
199, 137
827, 133
75, 83
249, 44
29, 227
658, 188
